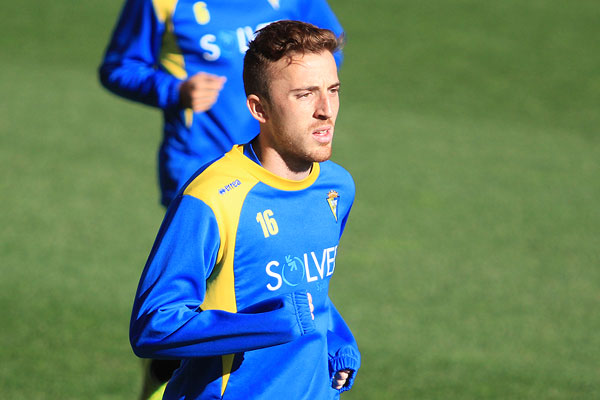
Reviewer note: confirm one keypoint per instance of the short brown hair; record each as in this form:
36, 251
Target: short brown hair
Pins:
278, 40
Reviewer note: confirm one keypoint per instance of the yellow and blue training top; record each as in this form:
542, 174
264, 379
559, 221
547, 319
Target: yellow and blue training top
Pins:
226, 284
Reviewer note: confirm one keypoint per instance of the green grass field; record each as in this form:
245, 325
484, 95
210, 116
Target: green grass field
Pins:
470, 268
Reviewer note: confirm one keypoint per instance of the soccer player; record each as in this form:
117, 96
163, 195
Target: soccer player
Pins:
185, 57
236, 284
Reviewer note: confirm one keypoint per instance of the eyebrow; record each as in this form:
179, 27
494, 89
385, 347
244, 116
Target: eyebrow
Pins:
314, 88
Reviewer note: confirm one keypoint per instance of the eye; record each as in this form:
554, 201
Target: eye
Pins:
304, 95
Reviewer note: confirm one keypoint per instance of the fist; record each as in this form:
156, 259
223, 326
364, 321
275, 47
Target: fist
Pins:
200, 91
340, 378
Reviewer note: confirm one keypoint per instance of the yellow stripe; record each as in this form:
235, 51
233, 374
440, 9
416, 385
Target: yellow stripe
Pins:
220, 289
270, 178
164, 9
158, 395
171, 56
189, 117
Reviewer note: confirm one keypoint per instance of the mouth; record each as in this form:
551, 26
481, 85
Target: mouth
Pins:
323, 134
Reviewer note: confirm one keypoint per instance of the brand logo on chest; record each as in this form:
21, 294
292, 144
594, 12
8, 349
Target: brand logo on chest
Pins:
308, 268
229, 187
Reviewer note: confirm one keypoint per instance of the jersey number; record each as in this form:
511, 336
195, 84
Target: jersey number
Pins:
267, 223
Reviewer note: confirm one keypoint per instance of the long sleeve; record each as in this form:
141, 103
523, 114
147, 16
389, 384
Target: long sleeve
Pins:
131, 64
167, 319
341, 347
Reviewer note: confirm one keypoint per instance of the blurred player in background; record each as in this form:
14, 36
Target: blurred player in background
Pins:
236, 284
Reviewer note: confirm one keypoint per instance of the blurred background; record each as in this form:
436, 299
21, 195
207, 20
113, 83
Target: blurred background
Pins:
470, 268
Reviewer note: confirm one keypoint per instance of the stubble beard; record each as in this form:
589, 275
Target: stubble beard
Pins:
302, 162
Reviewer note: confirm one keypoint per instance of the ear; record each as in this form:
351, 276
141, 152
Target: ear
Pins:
257, 108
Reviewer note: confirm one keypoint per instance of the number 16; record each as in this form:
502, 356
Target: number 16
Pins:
267, 223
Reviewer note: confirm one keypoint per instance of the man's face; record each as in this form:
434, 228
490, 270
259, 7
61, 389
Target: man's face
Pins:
302, 108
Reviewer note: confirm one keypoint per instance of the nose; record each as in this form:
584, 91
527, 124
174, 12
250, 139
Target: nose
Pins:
324, 108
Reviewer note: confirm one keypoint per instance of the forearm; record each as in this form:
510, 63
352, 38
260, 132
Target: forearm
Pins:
140, 82
131, 65
342, 348
183, 333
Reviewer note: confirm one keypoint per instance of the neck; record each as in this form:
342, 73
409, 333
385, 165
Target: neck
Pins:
278, 164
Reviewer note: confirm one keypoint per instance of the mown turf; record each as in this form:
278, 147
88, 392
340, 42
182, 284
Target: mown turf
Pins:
470, 267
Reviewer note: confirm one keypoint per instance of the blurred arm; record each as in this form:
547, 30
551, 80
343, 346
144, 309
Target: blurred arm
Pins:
131, 65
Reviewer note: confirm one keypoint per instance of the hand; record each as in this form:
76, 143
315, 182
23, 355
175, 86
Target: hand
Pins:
200, 91
340, 378
310, 304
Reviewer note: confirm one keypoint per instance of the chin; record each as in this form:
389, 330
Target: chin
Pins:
322, 155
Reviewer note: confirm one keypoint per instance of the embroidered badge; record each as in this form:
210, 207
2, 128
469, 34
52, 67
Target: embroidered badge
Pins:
332, 200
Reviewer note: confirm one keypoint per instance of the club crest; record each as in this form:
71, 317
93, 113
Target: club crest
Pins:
332, 200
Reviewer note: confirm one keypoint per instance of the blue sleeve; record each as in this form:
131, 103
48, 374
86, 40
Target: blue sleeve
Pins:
131, 63
319, 13
341, 347
167, 321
